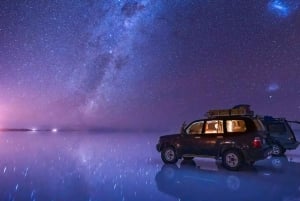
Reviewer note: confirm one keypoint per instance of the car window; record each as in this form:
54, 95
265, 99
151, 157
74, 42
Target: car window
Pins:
233, 126
195, 128
278, 129
214, 126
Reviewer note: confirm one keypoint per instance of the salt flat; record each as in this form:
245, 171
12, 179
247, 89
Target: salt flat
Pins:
126, 166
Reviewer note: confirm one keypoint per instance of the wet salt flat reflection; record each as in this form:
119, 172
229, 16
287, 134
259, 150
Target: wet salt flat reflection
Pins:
70, 166
90, 166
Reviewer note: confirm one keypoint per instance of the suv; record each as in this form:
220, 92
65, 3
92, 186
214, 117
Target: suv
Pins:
281, 134
236, 139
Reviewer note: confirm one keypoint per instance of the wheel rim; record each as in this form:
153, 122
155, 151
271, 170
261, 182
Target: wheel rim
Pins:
232, 160
276, 149
169, 155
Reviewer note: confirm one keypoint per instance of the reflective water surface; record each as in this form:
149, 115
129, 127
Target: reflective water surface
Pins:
90, 166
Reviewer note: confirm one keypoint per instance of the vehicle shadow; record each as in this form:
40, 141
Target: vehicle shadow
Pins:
187, 181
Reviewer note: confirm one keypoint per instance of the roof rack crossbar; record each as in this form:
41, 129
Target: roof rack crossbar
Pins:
240, 110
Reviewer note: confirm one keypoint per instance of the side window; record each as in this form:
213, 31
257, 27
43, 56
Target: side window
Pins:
195, 128
277, 129
234, 126
214, 126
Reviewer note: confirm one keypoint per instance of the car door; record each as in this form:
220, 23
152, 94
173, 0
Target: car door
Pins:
207, 143
192, 137
282, 133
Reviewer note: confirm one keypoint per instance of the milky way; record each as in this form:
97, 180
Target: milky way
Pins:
145, 64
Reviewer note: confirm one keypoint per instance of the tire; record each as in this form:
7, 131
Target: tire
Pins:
168, 155
232, 159
277, 150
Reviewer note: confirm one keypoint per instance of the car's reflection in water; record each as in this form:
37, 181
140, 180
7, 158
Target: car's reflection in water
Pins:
272, 179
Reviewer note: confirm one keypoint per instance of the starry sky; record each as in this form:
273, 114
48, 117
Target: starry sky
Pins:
148, 64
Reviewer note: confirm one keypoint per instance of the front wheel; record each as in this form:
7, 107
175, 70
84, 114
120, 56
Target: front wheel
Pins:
232, 160
168, 155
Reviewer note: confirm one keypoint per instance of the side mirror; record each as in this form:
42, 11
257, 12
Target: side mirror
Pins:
182, 129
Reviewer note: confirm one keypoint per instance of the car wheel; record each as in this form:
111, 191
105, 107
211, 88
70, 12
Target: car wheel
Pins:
232, 160
168, 155
277, 150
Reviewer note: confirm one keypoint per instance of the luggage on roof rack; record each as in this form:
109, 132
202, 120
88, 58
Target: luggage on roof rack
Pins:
238, 110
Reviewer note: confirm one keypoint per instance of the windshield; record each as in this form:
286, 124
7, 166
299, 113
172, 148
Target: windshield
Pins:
195, 128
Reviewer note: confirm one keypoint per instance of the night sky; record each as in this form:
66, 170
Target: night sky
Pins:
148, 64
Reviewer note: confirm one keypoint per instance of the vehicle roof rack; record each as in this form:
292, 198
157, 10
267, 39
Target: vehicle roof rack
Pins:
238, 110
270, 118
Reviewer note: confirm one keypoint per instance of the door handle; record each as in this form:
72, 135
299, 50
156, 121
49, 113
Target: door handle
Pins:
198, 137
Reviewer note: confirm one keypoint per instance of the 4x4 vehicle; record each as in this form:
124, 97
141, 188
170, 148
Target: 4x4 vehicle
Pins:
236, 139
281, 134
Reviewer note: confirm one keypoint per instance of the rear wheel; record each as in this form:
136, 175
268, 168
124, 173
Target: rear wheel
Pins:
232, 159
168, 155
277, 150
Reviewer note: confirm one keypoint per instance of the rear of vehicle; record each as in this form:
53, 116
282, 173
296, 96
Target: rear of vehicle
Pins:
281, 135
247, 146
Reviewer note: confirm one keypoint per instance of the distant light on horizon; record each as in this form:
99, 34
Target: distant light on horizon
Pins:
54, 130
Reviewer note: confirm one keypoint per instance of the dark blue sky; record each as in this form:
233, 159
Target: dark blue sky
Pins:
145, 64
